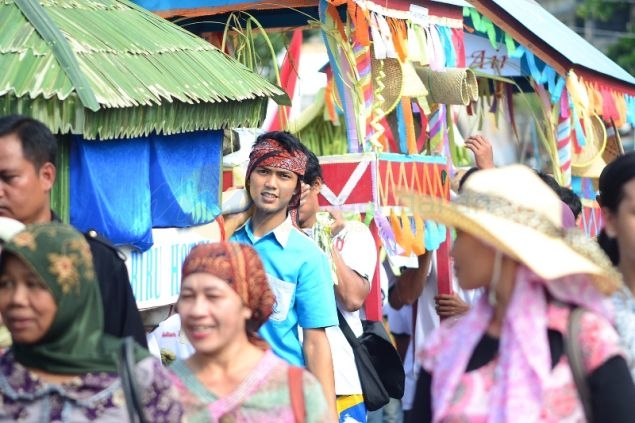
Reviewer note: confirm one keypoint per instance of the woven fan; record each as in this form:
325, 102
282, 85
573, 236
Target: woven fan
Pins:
594, 146
391, 82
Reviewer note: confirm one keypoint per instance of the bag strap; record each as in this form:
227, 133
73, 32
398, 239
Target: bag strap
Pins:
296, 392
574, 355
126, 365
346, 330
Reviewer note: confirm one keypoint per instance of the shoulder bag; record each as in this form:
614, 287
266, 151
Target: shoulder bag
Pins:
380, 370
126, 365
574, 355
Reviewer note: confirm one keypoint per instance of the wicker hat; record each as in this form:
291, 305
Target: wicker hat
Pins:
450, 86
511, 209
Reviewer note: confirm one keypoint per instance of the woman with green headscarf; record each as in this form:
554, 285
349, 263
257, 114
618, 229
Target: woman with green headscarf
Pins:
61, 366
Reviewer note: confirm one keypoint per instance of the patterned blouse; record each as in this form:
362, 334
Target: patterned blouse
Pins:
561, 403
263, 397
624, 304
26, 398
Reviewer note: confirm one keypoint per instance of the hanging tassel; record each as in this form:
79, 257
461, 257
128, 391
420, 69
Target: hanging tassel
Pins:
418, 246
436, 129
423, 135
401, 127
399, 37
407, 236
359, 18
564, 150
411, 142
400, 235
329, 101
387, 234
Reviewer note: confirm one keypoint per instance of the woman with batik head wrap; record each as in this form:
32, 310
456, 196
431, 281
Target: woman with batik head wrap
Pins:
518, 355
617, 238
62, 366
233, 376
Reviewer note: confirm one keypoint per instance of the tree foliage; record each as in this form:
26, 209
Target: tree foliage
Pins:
597, 9
623, 50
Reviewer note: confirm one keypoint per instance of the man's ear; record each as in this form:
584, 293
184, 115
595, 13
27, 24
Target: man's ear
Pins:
610, 222
47, 174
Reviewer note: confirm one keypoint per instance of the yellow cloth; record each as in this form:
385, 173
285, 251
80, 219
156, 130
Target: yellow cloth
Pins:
344, 402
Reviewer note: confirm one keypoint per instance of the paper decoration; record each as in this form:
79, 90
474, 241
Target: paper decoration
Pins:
591, 219
349, 181
421, 175
564, 149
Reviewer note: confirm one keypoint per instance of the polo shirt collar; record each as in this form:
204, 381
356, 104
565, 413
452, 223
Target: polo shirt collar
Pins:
281, 232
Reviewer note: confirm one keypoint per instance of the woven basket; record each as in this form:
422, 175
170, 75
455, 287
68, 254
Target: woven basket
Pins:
451, 86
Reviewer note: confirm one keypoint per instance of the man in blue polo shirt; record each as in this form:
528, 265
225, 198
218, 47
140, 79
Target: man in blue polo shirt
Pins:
298, 271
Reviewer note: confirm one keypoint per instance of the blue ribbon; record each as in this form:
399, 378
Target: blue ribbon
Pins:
401, 129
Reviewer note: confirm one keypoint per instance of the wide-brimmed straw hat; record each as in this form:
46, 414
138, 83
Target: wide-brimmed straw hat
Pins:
511, 209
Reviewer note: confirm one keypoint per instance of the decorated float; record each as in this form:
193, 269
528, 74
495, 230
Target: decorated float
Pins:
401, 79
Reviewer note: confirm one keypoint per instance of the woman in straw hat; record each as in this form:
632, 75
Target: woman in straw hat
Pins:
233, 375
62, 367
617, 238
505, 360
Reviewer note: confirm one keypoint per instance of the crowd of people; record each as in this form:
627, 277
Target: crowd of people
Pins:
540, 328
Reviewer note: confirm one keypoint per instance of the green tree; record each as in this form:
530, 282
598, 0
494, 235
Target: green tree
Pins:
600, 10
623, 50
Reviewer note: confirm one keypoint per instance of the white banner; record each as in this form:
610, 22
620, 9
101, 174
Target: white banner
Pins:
481, 56
155, 275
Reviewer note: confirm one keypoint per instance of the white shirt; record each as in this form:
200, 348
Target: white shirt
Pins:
358, 250
168, 336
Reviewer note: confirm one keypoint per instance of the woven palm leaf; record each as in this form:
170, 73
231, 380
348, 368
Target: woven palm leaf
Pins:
145, 73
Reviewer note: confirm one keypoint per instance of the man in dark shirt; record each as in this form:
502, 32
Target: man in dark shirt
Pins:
28, 153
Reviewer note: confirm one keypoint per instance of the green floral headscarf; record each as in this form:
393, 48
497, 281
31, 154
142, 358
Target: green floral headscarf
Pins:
75, 343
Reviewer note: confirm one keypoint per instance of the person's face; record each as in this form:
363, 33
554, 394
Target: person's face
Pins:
212, 314
621, 224
271, 189
473, 261
309, 204
27, 306
24, 190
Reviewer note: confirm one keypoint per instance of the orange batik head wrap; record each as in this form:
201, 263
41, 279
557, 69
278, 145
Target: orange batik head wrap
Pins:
240, 266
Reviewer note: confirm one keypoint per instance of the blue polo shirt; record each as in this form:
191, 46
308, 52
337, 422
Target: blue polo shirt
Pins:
300, 278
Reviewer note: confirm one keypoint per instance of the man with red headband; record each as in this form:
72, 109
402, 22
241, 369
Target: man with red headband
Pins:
297, 270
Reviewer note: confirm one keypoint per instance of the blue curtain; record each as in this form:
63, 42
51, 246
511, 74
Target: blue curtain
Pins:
185, 172
110, 189
124, 188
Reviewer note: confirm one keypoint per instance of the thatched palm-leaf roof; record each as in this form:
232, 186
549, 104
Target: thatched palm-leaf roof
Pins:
117, 70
